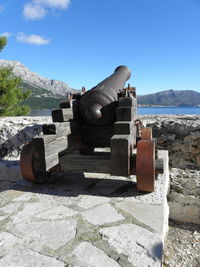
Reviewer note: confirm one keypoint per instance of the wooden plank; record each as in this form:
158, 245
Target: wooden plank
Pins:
123, 127
97, 163
120, 155
46, 149
127, 102
96, 136
55, 146
58, 128
61, 115
38, 154
125, 113
66, 103
76, 110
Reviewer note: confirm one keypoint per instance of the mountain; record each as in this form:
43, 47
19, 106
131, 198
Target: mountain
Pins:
45, 93
35, 81
171, 98
48, 93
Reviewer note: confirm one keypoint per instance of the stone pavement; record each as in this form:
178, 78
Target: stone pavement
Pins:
81, 220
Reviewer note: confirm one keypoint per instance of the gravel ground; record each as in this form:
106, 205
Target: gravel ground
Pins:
182, 246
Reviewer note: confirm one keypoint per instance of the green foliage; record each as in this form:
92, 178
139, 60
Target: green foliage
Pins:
3, 42
43, 102
41, 98
10, 95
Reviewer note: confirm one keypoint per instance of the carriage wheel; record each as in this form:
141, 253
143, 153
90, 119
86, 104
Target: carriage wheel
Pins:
145, 165
27, 169
146, 133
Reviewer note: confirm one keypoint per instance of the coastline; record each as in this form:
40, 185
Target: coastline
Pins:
168, 106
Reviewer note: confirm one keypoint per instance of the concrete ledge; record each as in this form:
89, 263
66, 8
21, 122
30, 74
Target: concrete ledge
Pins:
82, 220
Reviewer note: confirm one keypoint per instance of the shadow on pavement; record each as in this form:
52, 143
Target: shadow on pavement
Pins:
74, 184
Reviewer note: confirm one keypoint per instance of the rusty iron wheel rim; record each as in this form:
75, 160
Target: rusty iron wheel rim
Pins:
26, 163
26, 167
145, 165
146, 133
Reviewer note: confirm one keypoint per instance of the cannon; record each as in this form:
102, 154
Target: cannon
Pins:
97, 106
86, 124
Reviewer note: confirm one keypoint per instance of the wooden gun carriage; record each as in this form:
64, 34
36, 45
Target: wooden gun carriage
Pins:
103, 117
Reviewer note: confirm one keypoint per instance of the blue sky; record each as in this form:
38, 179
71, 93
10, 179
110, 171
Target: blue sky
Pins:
82, 41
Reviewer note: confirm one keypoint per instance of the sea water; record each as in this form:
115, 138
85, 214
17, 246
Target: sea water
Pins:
140, 110
169, 110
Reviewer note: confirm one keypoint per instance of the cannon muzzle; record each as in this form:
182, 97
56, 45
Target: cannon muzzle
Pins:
97, 106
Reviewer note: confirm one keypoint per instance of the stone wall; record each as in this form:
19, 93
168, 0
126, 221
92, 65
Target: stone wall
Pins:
180, 135
16, 131
184, 195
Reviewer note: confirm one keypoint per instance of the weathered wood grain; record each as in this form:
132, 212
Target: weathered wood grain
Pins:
99, 162
123, 127
58, 128
46, 149
125, 113
120, 155
127, 102
66, 103
61, 115
96, 136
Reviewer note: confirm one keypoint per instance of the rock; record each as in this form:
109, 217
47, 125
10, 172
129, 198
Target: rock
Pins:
21, 256
59, 212
87, 202
102, 215
141, 247
57, 87
11, 208
182, 245
151, 215
184, 196
180, 135
57, 221
17, 131
50, 234
92, 256
7, 242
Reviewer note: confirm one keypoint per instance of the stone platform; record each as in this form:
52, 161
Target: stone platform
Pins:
81, 220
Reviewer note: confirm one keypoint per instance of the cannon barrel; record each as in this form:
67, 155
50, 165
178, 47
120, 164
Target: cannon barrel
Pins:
97, 106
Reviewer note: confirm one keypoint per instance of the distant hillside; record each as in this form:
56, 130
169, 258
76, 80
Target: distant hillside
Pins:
48, 93
171, 98
41, 98
45, 93
35, 80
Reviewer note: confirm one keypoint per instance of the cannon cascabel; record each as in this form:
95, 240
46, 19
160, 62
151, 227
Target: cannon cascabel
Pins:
97, 106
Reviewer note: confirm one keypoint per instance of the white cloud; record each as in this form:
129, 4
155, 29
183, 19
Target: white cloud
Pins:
2, 8
34, 11
32, 39
61, 4
37, 9
6, 34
